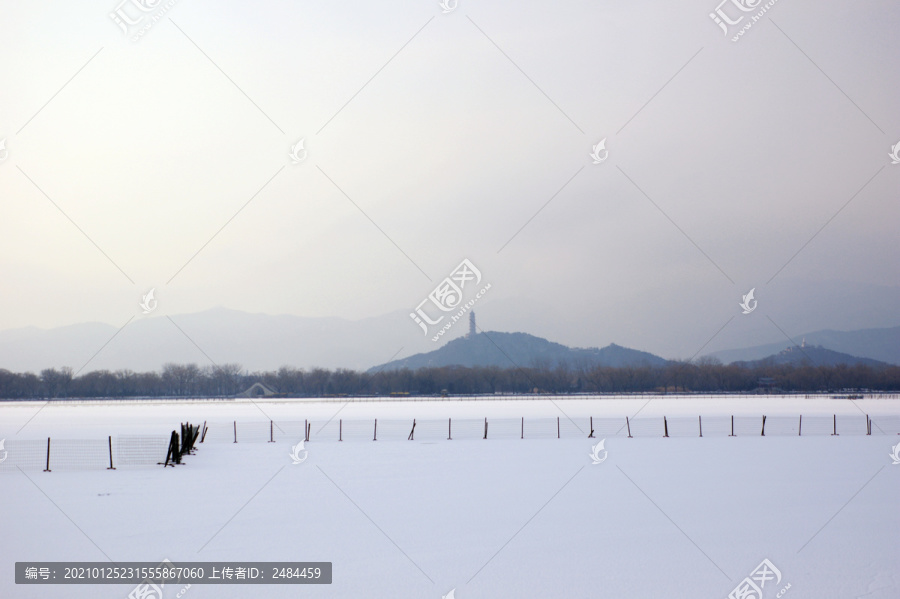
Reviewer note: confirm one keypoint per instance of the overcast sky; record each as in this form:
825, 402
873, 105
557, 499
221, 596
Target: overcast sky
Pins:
432, 137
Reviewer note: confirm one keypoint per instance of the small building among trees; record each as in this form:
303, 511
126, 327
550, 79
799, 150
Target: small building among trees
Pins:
257, 390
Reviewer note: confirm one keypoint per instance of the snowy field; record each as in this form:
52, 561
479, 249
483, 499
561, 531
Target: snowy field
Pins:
682, 516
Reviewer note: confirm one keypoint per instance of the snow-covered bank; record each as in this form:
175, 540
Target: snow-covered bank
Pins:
675, 517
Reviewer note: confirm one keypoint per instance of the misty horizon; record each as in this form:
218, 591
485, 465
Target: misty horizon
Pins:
634, 201
263, 342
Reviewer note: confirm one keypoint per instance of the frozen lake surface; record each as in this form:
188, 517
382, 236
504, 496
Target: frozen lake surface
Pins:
682, 516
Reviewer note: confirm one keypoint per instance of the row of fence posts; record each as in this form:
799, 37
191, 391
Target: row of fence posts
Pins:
307, 426
185, 443
762, 433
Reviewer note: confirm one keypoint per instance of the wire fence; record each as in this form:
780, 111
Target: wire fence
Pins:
547, 428
123, 451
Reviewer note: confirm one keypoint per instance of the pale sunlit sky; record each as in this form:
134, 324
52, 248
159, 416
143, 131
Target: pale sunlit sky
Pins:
448, 133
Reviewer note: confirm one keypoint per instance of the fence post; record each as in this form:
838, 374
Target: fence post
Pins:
764, 426
628, 424
868, 425
449, 429
177, 448
169, 452
341, 429
375, 438
834, 425
410, 438
523, 428
665, 427
700, 420
800, 427
47, 469
557, 427
732, 426
235, 431
485, 428
203, 434
591, 436
110, 454
174, 452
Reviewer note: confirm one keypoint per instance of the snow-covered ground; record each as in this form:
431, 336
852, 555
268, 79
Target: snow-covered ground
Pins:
659, 517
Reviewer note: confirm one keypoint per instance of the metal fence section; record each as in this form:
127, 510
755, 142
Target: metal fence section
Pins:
885, 425
783, 426
601, 428
503, 428
646, 427
79, 454
432, 430
467, 428
137, 450
747, 426
326, 429
850, 425
539, 428
682, 426
52, 455
357, 430
714, 426
25, 454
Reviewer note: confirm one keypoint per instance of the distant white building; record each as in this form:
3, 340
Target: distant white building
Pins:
257, 390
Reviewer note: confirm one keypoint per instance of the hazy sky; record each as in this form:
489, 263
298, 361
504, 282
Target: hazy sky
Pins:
435, 137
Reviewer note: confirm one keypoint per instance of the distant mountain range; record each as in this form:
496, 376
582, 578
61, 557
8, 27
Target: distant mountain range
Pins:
816, 356
520, 349
507, 350
266, 342
878, 344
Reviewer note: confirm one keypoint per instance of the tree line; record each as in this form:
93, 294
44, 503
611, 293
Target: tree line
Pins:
190, 380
